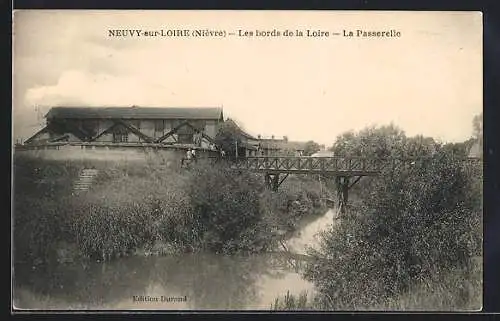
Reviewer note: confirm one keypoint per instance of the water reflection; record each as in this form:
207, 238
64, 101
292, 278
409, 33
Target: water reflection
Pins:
309, 235
207, 281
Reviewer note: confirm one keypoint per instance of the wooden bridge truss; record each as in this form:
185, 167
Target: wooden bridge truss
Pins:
346, 171
85, 136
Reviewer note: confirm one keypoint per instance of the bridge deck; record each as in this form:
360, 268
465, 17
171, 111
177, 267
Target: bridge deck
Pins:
337, 166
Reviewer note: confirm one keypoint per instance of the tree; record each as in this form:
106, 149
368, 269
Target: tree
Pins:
413, 223
311, 147
382, 142
477, 125
228, 137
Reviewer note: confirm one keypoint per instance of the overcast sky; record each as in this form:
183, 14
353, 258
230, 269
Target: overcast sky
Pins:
428, 81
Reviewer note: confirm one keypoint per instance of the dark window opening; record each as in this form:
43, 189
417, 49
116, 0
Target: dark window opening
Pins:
120, 135
120, 138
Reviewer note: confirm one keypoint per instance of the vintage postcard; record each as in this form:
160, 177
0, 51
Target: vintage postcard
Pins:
247, 160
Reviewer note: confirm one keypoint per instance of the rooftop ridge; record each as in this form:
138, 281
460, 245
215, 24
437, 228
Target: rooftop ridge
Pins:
135, 111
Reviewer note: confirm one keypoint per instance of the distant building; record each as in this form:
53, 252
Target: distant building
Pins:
323, 153
280, 147
194, 127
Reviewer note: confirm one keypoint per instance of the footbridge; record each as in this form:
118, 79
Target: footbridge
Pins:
346, 171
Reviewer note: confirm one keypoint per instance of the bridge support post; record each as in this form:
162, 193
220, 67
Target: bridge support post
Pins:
272, 181
342, 183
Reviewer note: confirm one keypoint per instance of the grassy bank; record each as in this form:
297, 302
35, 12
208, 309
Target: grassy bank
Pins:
413, 238
454, 290
149, 208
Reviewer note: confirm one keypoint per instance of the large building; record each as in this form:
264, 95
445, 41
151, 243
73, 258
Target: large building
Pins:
130, 125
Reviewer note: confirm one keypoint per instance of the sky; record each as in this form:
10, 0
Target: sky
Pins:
427, 81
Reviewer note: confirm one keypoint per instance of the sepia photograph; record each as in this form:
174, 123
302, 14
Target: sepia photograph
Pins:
247, 160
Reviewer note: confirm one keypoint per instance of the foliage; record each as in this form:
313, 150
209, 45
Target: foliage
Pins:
144, 207
453, 290
415, 220
311, 147
227, 137
477, 127
382, 142
226, 207
41, 195
127, 208
290, 302
477, 133
295, 199
132, 212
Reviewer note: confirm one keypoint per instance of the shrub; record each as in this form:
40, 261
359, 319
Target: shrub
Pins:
415, 221
41, 194
133, 212
135, 206
226, 207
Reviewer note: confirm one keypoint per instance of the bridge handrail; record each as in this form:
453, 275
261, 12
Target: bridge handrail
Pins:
382, 159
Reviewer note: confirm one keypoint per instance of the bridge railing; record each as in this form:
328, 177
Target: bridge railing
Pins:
352, 165
310, 164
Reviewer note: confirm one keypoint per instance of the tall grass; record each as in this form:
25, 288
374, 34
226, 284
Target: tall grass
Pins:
290, 302
136, 207
455, 290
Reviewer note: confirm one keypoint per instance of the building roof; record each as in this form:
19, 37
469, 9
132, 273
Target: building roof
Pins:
240, 130
135, 112
281, 144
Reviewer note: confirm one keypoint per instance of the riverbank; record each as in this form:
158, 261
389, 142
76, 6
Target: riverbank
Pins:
453, 290
135, 208
413, 242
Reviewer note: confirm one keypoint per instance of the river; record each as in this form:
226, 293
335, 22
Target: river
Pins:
185, 282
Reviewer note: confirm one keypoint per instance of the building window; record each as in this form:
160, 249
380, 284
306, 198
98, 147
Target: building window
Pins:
120, 135
185, 134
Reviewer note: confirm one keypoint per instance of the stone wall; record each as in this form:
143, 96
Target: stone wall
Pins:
111, 154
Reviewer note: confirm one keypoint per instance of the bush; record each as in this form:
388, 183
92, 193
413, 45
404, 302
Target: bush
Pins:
39, 226
128, 207
41, 195
133, 212
417, 220
134, 207
226, 207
